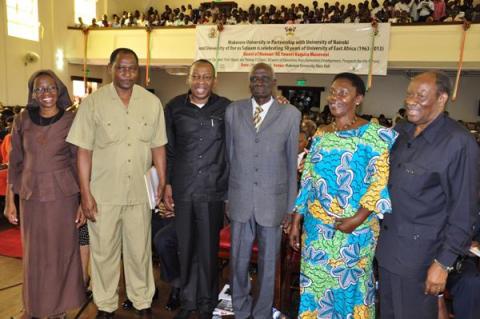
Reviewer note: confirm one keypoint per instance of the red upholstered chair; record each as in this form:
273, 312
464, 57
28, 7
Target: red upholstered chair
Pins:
224, 245
224, 257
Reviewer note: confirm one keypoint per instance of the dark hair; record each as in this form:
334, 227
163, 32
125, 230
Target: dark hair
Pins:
356, 81
204, 61
116, 52
7, 115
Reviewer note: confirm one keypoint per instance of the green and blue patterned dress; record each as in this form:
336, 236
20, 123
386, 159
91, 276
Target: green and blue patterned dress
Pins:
344, 171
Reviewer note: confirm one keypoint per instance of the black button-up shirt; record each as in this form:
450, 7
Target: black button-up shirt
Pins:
433, 189
196, 163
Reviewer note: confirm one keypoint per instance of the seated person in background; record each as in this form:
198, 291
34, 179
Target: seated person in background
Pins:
166, 248
309, 127
425, 10
464, 285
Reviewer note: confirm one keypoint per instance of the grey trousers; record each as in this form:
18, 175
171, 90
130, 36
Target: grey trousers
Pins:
242, 238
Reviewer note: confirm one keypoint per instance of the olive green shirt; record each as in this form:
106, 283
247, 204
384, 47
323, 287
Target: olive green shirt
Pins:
121, 140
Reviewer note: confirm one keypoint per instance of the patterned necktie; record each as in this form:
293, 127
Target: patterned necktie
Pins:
257, 118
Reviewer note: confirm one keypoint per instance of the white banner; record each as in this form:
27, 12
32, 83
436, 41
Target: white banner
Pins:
296, 48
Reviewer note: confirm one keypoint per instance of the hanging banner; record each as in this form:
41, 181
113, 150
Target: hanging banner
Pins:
295, 48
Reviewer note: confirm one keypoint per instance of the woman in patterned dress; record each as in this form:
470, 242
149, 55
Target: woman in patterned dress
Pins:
343, 195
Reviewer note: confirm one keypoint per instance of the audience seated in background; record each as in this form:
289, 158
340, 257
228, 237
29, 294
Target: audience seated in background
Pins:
393, 11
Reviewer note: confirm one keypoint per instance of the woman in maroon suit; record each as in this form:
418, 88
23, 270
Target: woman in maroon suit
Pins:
42, 171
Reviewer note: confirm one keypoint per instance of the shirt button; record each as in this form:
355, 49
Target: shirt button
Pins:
256, 155
416, 236
128, 127
129, 176
127, 112
256, 169
255, 183
200, 139
200, 156
200, 171
129, 144
129, 161
257, 140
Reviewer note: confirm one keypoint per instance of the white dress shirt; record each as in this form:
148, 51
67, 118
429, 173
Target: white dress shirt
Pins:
265, 108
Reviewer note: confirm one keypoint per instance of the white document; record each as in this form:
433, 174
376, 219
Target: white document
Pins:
151, 183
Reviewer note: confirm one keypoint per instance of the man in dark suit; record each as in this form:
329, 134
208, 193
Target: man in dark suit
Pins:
262, 144
196, 184
433, 188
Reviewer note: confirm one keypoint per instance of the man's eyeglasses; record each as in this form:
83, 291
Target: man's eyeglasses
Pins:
43, 90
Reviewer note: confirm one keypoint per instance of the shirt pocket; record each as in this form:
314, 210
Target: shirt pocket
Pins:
414, 178
144, 130
218, 126
108, 133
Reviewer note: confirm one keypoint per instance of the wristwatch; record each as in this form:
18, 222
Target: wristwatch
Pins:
446, 268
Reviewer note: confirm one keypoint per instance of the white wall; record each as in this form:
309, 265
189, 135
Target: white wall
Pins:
14, 73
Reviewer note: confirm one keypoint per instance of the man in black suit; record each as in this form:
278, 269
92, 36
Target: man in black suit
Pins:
196, 184
433, 188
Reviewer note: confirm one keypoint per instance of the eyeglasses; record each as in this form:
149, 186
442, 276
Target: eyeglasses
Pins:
43, 90
264, 79
206, 78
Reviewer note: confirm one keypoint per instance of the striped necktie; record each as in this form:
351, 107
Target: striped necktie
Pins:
257, 118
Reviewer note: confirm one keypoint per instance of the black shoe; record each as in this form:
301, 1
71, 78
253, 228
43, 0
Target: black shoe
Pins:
127, 304
183, 314
104, 315
173, 300
145, 313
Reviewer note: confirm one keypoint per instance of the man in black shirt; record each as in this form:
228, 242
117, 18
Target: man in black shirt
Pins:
433, 189
197, 177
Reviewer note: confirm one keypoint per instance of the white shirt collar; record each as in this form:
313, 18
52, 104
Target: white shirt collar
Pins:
265, 107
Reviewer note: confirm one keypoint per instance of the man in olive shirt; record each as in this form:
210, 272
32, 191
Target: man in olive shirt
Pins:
119, 130
197, 183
